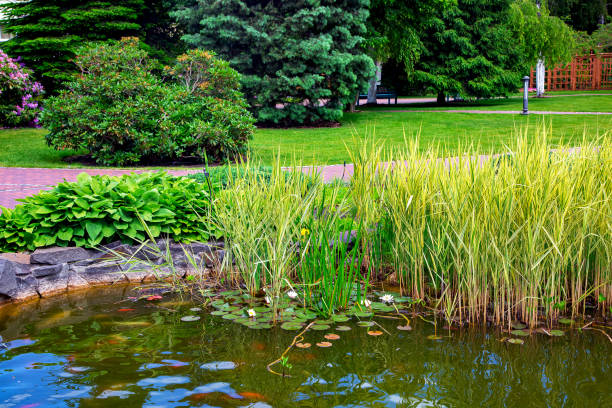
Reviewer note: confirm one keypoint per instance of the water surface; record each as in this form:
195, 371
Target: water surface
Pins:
85, 349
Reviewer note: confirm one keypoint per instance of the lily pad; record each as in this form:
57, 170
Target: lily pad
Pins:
303, 345
190, 318
518, 325
230, 316
557, 333
343, 328
365, 324
218, 312
319, 326
515, 341
363, 314
521, 333
331, 336
340, 318
375, 332
566, 321
324, 344
195, 309
405, 328
402, 299
291, 326
259, 326
230, 293
321, 321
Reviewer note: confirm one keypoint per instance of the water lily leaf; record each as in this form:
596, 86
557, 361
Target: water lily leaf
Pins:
321, 321
522, 333
218, 312
306, 314
515, 341
557, 333
331, 336
405, 328
291, 326
363, 314
190, 318
402, 299
261, 309
434, 337
230, 316
343, 328
340, 318
324, 344
518, 325
566, 321
230, 293
250, 323
319, 326
375, 332
242, 319
365, 324
260, 326
195, 309
303, 345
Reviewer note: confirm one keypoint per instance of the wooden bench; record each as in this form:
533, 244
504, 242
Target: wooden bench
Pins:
381, 93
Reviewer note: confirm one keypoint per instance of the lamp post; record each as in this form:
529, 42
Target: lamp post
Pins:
525, 95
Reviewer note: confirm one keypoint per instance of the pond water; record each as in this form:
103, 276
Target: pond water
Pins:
89, 349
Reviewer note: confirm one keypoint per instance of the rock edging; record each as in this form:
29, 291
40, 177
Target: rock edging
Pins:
54, 270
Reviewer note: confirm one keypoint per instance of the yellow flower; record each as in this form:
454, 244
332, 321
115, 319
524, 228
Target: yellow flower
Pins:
304, 232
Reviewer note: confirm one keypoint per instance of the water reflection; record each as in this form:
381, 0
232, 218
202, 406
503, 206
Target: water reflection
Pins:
97, 356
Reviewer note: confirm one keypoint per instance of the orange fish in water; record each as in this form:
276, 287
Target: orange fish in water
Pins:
154, 297
199, 396
125, 310
257, 345
253, 396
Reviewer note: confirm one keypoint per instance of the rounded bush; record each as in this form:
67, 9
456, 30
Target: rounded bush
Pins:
122, 113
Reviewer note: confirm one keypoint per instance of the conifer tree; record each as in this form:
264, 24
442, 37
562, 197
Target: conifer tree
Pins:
301, 61
47, 32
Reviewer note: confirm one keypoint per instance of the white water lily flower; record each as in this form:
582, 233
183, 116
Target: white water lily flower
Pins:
387, 298
292, 294
251, 313
268, 300
366, 303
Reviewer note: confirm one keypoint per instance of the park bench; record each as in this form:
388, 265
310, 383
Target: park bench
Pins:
381, 93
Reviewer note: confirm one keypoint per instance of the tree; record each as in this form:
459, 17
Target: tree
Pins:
544, 38
301, 60
47, 32
469, 49
394, 32
582, 15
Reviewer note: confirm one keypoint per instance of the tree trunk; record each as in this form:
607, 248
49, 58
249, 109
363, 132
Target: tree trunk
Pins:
373, 85
540, 78
441, 98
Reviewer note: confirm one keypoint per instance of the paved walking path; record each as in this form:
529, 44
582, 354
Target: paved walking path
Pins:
495, 112
16, 182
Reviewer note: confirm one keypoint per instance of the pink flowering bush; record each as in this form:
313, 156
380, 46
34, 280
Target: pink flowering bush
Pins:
20, 95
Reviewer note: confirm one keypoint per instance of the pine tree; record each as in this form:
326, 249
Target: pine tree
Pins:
301, 60
47, 32
470, 50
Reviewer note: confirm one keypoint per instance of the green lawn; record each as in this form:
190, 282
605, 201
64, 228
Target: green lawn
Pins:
27, 148
577, 103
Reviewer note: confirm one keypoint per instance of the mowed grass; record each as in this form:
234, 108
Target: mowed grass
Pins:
487, 132
552, 103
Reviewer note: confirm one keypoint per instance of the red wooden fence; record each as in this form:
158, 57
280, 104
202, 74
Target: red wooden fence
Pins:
584, 73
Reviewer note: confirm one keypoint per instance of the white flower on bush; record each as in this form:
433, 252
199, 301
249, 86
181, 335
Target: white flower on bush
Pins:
251, 313
292, 294
387, 298
366, 303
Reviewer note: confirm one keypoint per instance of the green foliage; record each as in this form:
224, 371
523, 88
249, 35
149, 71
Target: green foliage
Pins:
470, 50
97, 210
540, 34
122, 113
598, 42
301, 61
47, 32
582, 15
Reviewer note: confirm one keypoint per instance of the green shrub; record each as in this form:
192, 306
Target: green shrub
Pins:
122, 113
96, 210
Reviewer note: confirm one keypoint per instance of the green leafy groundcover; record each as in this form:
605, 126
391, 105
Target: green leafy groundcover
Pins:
102, 209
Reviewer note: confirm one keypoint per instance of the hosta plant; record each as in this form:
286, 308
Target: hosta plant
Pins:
96, 210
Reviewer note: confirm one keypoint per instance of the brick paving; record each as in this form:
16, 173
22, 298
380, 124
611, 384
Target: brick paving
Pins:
16, 182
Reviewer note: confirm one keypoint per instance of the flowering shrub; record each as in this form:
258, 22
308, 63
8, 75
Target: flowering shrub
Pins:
122, 113
19, 94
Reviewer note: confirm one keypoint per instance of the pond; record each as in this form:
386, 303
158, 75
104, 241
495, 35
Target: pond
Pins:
94, 349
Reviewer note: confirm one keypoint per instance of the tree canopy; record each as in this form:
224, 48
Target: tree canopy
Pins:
301, 61
49, 31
